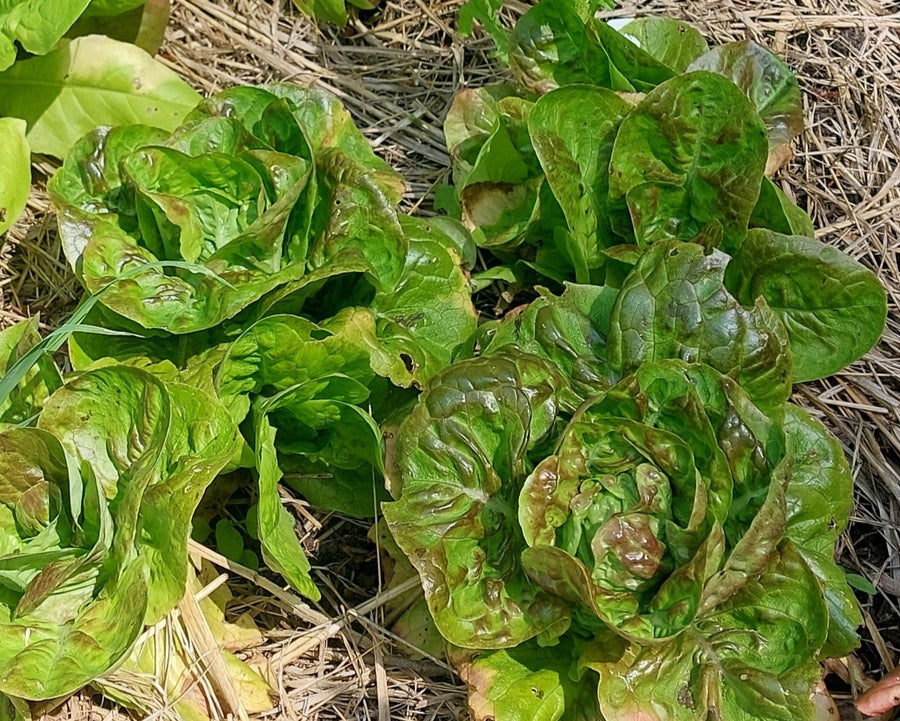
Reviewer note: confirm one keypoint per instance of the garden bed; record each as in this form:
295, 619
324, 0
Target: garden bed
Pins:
397, 69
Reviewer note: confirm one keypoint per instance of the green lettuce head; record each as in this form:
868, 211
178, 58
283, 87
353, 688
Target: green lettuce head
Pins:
258, 188
652, 536
95, 512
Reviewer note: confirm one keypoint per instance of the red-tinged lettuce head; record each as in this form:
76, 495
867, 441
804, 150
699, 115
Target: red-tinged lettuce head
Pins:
659, 535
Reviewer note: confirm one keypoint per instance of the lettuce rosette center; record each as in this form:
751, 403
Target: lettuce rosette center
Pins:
646, 496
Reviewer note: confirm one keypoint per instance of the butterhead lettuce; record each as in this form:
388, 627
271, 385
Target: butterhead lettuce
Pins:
651, 535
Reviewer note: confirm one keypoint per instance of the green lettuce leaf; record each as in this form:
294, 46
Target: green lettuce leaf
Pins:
667, 530
770, 85
572, 130
556, 44
834, 308
334, 11
775, 211
529, 683
565, 330
281, 549
753, 658
413, 330
15, 185
550, 46
35, 24
256, 191
462, 456
674, 305
87, 82
72, 595
672, 42
646, 498
168, 441
487, 12
327, 125
496, 173
309, 385
819, 502
691, 155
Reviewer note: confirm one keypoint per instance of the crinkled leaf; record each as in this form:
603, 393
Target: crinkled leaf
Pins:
753, 658
205, 295
200, 442
362, 222
34, 460
309, 381
70, 602
87, 82
236, 203
528, 683
42, 660
196, 206
90, 178
114, 421
556, 44
550, 46
154, 449
35, 24
770, 85
462, 456
561, 329
327, 125
393, 352
647, 512
430, 303
280, 546
674, 305
833, 307
691, 154
281, 351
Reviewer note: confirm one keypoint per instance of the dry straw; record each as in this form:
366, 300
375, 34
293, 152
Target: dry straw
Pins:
397, 71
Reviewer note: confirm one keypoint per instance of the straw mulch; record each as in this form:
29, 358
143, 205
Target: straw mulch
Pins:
396, 69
